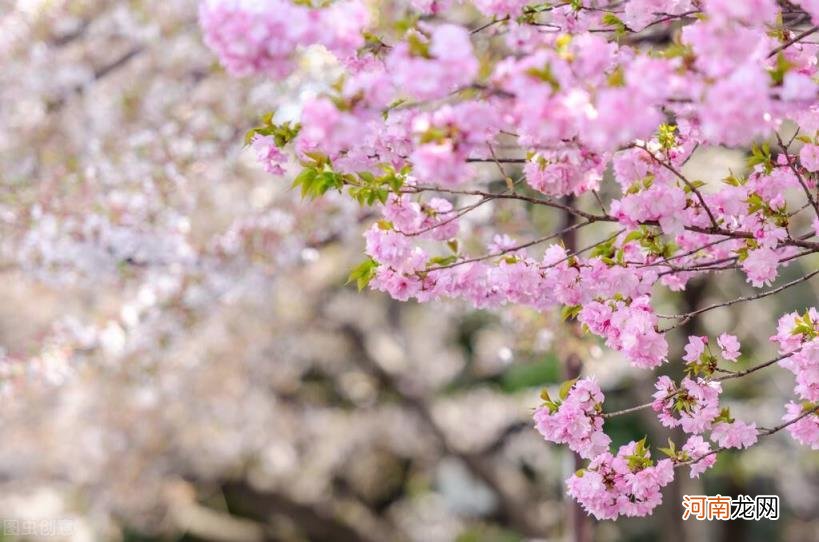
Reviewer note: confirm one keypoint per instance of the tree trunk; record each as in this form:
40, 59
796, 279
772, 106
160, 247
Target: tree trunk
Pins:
580, 522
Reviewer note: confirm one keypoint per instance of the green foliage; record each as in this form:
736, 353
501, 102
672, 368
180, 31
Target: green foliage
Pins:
761, 155
563, 393
758, 204
705, 365
733, 180
677, 50
417, 46
442, 261
690, 187
620, 28
548, 402
570, 311
683, 403
282, 133
675, 454
546, 75
604, 250
643, 184
803, 325
724, 416
363, 273
316, 181
666, 134
565, 388
779, 70
653, 241
367, 188
617, 78
318, 177
639, 459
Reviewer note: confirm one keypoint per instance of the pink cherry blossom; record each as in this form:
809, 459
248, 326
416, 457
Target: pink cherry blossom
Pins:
255, 37
809, 156
639, 13
450, 63
729, 346
724, 120
693, 405
501, 8
804, 364
761, 266
577, 422
736, 434
695, 348
806, 430
700, 452
748, 12
269, 155
798, 87
609, 487
488, 155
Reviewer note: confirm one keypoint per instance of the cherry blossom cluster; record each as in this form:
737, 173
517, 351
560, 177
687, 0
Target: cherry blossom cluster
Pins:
576, 421
590, 110
626, 484
253, 36
798, 340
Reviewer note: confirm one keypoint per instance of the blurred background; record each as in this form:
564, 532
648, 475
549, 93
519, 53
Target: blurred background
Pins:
182, 360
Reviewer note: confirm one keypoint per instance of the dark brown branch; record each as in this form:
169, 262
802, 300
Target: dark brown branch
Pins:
793, 40
755, 368
762, 433
687, 316
688, 183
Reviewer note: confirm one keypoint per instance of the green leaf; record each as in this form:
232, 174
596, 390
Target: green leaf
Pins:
724, 416
634, 236
565, 388
546, 75
779, 70
605, 250
363, 273
761, 155
366, 176
733, 180
417, 46
617, 78
671, 451
570, 311
620, 28
693, 185
443, 260
666, 136
305, 180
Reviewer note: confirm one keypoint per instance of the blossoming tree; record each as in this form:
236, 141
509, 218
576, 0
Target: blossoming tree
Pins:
461, 131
